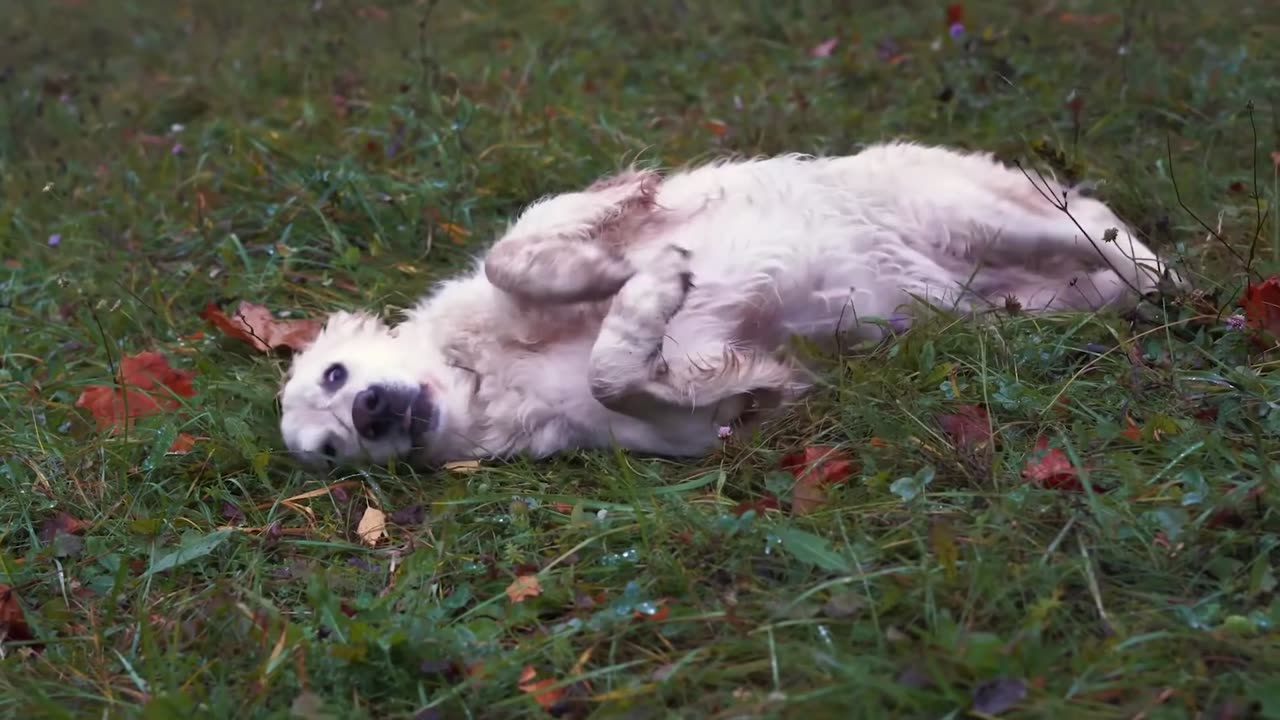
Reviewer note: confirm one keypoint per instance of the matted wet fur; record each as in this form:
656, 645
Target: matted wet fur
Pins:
648, 312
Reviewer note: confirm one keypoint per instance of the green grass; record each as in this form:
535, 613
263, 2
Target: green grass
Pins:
316, 156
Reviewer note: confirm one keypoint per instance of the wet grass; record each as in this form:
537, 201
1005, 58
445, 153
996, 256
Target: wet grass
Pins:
156, 157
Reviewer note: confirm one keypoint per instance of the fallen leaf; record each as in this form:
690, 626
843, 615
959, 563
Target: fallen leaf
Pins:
844, 604
660, 612
546, 699
768, 502
182, 444
814, 468
523, 588
1050, 468
824, 48
60, 523
717, 127
1068, 18
309, 706
462, 466
1132, 430
146, 386
372, 526
969, 426
256, 325
1261, 303
13, 623
997, 696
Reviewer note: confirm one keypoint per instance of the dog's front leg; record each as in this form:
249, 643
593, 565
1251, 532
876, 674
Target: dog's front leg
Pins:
569, 248
629, 374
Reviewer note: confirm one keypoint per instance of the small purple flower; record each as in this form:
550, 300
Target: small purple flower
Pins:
724, 431
176, 149
957, 29
1236, 322
55, 240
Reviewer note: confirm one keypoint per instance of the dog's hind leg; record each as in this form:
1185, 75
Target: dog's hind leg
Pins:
568, 248
629, 373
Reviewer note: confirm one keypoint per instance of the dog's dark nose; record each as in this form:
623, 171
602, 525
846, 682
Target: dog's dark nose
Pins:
373, 412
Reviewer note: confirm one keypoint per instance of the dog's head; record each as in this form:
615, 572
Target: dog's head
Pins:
356, 395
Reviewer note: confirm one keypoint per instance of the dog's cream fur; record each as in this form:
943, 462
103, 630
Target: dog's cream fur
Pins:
648, 312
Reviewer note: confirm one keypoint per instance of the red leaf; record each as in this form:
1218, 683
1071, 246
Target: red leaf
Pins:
717, 127
1051, 469
969, 426
1132, 430
256, 325
768, 502
1261, 303
814, 468
146, 386
13, 623
824, 48
955, 14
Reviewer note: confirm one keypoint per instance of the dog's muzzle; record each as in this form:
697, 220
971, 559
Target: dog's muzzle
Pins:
380, 411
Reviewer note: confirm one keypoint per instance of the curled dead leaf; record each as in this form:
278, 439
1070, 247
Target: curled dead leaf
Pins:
815, 468
256, 325
523, 588
372, 526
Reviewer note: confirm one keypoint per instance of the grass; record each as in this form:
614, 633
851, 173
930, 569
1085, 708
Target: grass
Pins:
156, 157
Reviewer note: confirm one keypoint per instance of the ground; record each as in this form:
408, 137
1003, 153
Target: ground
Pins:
1032, 517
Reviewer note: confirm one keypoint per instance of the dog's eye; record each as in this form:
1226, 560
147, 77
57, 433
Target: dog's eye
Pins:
335, 376
329, 450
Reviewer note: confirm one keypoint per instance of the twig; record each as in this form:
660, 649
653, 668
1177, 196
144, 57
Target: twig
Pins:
1177, 193
1257, 195
1062, 206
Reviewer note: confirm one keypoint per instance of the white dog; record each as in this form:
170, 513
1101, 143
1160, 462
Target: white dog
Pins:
649, 312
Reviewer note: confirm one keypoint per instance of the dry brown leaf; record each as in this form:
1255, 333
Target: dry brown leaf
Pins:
523, 588
256, 325
372, 527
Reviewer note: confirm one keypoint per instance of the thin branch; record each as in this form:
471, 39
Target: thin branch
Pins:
1257, 195
1177, 193
1062, 206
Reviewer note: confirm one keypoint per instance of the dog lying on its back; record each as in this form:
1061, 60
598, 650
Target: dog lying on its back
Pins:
649, 312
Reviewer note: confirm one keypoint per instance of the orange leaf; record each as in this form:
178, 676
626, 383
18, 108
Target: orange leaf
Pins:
717, 127
140, 376
814, 468
546, 699
182, 444
1132, 430
969, 426
256, 325
13, 623
1261, 303
523, 588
